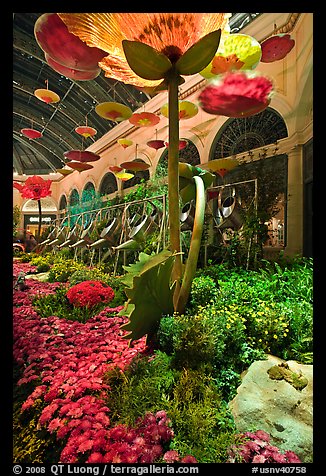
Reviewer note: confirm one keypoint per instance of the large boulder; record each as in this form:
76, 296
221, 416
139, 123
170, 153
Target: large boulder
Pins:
276, 396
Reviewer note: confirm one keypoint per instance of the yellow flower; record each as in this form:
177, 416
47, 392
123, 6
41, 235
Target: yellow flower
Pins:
275, 336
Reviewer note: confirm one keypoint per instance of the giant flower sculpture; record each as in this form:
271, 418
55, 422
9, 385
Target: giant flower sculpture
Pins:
155, 50
35, 188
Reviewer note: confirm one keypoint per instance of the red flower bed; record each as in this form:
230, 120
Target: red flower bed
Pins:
90, 293
67, 361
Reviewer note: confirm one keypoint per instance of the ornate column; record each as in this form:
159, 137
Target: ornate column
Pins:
294, 234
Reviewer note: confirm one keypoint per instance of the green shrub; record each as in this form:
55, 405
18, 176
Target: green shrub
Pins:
202, 424
62, 269
41, 263
203, 291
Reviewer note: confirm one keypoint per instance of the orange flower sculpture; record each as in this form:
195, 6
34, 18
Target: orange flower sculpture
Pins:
170, 34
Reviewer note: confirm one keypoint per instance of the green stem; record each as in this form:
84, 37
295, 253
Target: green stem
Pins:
39, 220
191, 265
173, 180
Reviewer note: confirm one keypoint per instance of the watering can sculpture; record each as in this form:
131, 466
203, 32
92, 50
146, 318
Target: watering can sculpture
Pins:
72, 236
229, 211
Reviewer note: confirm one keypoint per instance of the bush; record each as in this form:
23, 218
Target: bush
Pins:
63, 269
203, 291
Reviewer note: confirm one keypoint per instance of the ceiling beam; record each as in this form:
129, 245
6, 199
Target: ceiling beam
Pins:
38, 148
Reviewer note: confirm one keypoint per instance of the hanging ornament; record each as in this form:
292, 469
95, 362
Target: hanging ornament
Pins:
124, 176
31, 133
114, 111
276, 48
220, 166
144, 119
187, 110
125, 142
86, 131
115, 168
64, 51
182, 144
236, 94
237, 52
135, 165
156, 143
79, 166
81, 155
65, 171
46, 95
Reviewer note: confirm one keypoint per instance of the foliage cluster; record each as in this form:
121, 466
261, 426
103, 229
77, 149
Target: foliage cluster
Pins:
191, 373
275, 303
201, 421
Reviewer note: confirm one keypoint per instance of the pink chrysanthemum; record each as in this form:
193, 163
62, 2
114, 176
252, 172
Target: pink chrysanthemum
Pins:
236, 94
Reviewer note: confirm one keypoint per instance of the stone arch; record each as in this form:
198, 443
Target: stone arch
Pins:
189, 154
48, 205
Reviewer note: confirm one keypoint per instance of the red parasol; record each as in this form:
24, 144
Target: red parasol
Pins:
81, 155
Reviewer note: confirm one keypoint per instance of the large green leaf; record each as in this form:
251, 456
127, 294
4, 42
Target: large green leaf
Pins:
145, 61
197, 57
150, 294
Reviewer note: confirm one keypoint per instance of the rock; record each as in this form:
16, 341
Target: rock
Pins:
39, 276
277, 396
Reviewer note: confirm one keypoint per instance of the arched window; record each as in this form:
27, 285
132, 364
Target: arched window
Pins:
74, 198
63, 202
88, 192
189, 154
247, 133
108, 184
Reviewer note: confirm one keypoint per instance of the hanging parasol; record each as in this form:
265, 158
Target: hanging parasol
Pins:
65, 171
124, 176
144, 119
135, 165
79, 166
237, 52
115, 168
187, 110
114, 111
64, 51
125, 142
86, 131
46, 95
31, 133
156, 144
219, 166
182, 144
81, 155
